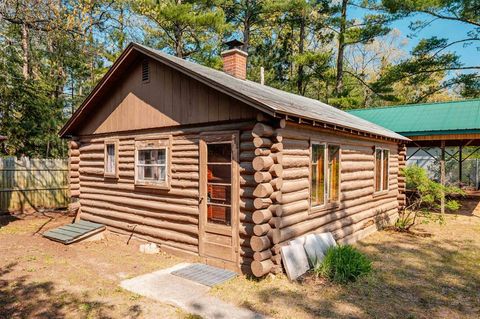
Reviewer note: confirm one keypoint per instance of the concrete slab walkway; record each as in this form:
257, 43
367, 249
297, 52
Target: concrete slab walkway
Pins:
191, 296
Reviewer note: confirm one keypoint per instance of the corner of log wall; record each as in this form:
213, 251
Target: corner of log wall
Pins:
402, 185
74, 175
268, 184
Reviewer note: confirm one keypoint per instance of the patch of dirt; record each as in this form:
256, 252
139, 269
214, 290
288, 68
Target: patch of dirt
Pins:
40, 278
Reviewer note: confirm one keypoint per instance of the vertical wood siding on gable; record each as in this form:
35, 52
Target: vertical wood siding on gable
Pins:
168, 99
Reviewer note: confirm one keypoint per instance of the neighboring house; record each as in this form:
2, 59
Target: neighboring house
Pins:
207, 163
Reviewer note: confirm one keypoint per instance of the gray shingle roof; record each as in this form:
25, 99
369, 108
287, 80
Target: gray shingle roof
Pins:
276, 101
266, 99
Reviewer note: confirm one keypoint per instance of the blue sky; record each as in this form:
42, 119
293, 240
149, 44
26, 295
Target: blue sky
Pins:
441, 28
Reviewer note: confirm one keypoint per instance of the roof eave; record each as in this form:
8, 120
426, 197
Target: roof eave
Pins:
343, 128
259, 105
242, 97
65, 129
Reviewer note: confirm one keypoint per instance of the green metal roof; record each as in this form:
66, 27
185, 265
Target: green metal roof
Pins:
456, 117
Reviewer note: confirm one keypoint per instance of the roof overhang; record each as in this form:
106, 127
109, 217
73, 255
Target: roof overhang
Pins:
132, 52
128, 55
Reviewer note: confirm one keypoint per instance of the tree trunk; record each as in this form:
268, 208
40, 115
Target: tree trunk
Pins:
246, 34
178, 37
301, 45
25, 52
341, 49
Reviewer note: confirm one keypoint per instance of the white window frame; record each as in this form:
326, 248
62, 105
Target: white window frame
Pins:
382, 168
146, 144
326, 176
113, 174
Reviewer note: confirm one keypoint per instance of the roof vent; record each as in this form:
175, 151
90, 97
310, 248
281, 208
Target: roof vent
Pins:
145, 71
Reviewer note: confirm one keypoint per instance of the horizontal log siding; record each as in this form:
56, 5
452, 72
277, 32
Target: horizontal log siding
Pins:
167, 217
359, 211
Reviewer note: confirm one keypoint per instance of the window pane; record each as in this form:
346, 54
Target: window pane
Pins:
152, 165
219, 153
219, 215
219, 173
110, 167
317, 191
219, 194
378, 170
313, 191
148, 172
157, 156
334, 172
385, 169
151, 173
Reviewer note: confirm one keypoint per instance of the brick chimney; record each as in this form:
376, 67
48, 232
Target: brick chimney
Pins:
235, 60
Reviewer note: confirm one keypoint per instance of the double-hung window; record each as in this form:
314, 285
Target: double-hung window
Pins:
152, 163
381, 169
111, 159
325, 174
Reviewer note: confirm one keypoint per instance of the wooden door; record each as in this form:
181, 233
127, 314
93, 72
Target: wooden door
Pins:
219, 187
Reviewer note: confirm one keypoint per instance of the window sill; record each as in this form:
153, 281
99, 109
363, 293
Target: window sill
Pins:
153, 186
381, 193
321, 210
110, 176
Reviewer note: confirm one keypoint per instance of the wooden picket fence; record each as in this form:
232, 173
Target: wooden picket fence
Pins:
33, 183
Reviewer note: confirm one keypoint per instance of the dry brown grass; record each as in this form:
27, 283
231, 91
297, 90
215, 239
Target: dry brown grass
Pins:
414, 277
43, 279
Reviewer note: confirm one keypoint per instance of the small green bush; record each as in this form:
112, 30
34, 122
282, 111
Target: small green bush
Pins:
427, 193
343, 264
425, 196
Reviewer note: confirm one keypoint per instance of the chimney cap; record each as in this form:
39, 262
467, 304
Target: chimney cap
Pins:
234, 44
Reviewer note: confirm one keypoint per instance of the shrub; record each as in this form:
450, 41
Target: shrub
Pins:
425, 196
343, 263
427, 193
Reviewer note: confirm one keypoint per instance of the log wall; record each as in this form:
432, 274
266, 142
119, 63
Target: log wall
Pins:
273, 195
167, 217
359, 211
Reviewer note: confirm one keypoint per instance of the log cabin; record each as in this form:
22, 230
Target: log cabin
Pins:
207, 163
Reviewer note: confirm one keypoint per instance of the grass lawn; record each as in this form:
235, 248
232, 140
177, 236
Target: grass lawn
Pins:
414, 277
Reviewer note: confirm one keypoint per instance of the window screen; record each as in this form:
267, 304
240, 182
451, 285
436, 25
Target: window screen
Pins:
219, 183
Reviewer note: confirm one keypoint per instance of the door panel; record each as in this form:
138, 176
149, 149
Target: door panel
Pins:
219, 183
